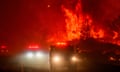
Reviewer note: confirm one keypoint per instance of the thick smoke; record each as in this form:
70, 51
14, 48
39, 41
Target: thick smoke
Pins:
102, 11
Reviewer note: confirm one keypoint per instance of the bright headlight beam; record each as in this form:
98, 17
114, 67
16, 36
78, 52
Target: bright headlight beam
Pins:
56, 59
29, 55
39, 54
74, 58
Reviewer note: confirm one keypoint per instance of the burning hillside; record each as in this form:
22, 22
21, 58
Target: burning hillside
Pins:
80, 25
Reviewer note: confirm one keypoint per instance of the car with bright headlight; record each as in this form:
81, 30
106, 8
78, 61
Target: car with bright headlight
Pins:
33, 58
63, 57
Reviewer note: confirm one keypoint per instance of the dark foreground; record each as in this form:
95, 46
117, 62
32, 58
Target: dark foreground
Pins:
97, 68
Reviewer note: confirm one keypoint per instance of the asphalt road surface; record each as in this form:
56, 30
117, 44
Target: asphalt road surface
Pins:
98, 68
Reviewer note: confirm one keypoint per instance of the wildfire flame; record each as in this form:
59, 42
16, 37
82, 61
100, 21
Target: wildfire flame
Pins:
73, 24
97, 33
80, 25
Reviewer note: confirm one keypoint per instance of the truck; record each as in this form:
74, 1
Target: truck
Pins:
63, 57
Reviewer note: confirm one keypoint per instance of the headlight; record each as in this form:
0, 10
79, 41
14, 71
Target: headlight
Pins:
74, 59
29, 55
56, 59
39, 54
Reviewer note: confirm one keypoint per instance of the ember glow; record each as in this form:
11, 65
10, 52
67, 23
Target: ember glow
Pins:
61, 43
81, 26
97, 33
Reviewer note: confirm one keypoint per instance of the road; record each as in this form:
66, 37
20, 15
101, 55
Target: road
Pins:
6, 66
98, 68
